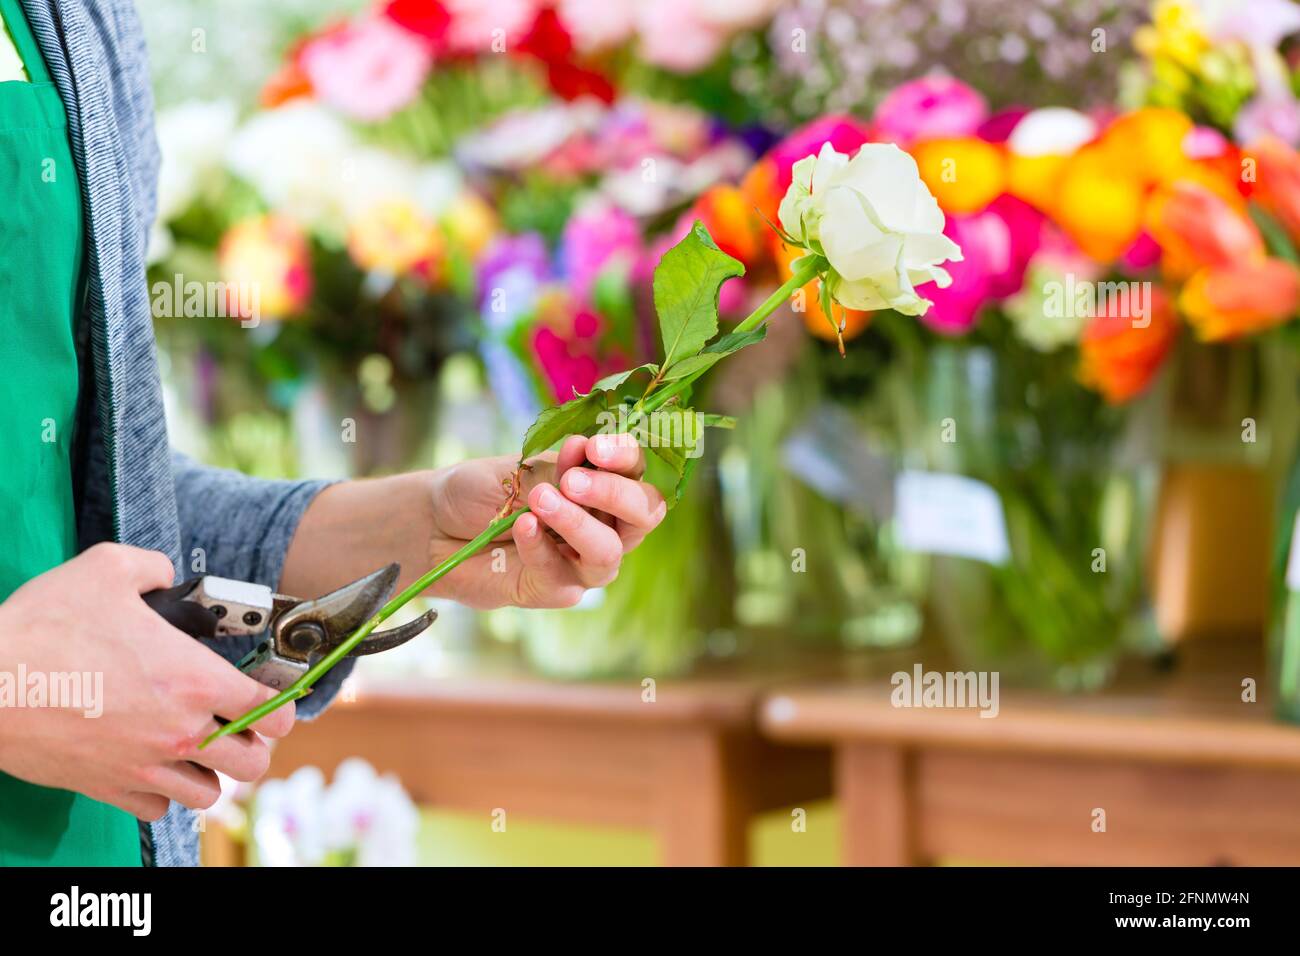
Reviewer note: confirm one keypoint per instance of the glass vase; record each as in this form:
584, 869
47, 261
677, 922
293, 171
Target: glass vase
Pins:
1034, 499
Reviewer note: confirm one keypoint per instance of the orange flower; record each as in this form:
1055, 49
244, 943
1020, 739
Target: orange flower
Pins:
287, 83
1277, 182
266, 266
1196, 227
965, 174
813, 316
730, 218
1099, 202
1120, 354
394, 237
1149, 142
1240, 298
1035, 179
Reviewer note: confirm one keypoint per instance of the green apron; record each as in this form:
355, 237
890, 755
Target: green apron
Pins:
41, 252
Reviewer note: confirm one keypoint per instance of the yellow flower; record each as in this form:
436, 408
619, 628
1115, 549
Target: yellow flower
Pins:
470, 223
266, 265
393, 237
1149, 143
964, 174
1176, 32
1099, 203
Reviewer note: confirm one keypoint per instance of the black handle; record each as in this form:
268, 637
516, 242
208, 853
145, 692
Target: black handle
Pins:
194, 619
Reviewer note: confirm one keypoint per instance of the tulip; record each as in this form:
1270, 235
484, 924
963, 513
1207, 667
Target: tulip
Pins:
1240, 299
1196, 228
1277, 182
1120, 356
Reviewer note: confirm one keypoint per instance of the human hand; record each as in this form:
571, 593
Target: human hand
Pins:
597, 516
161, 690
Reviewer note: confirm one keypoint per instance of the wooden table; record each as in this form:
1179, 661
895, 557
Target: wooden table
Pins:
1184, 770
690, 765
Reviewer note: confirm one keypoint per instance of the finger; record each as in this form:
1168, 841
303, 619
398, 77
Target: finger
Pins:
149, 807
621, 454
238, 694
598, 546
572, 454
140, 568
536, 550
188, 784
245, 757
637, 505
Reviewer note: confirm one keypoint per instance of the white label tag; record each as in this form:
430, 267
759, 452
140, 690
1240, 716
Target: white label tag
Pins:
950, 514
1293, 562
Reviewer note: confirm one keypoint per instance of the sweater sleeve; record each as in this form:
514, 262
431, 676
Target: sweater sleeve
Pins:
239, 527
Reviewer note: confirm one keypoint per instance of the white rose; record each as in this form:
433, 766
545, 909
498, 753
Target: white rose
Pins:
875, 222
1054, 131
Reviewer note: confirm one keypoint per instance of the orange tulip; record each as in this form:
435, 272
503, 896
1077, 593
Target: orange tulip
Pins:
1240, 298
1277, 182
1197, 228
1119, 353
964, 174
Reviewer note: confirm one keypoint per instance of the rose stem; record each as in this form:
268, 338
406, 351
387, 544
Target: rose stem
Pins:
302, 685
804, 271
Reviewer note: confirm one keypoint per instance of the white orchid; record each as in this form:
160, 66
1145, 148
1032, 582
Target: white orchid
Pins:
875, 222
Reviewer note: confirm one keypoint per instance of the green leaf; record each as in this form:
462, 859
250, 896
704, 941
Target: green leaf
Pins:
725, 345
578, 416
677, 443
686, 286
613, 382
718, 421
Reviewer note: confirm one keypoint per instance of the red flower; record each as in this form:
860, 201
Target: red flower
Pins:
548, 39
569, 81
428, 19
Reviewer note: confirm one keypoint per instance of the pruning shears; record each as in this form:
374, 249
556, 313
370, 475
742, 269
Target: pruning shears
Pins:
299, 632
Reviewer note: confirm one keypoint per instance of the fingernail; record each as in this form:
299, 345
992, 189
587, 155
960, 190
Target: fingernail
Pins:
530, 526
547, 500
605, 445
579, 481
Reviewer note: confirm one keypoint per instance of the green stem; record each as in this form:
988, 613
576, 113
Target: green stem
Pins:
804, 271
302, 686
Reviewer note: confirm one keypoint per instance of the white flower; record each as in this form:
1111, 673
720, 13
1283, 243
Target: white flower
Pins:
1054, 131
289, 823
190, 139
296, 157
875, 222
370, 816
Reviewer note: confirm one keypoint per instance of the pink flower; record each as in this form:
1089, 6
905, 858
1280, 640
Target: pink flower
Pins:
593, 238
368, 69
929, 108
598, 24
1275, 114
997, 245
844, 133
477, 24
674, 36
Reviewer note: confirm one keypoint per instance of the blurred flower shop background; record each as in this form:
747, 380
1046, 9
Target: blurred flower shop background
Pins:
1081, 460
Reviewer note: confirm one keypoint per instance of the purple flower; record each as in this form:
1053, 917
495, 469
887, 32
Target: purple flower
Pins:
524, 255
